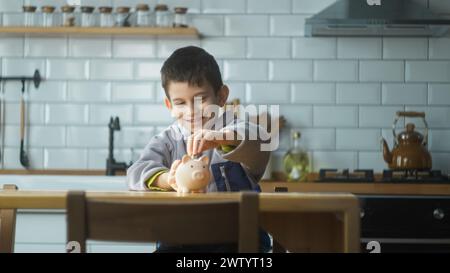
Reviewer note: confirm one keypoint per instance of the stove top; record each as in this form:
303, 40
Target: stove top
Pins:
388, 176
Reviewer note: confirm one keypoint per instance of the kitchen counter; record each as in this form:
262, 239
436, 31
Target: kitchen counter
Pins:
360, 188
300, 222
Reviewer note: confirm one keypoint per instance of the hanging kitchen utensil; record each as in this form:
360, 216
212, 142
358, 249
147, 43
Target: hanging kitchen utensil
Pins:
36, 79
23, 155
410, 152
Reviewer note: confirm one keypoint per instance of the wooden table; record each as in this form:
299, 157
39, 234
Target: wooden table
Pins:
300, 222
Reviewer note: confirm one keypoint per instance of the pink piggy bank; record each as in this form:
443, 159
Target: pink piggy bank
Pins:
192, 175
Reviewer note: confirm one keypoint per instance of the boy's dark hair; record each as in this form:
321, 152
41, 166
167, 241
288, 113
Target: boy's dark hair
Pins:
193, 65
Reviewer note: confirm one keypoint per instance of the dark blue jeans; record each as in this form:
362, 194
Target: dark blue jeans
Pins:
264, 246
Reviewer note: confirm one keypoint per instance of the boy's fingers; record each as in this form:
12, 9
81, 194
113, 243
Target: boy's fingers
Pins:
197, 139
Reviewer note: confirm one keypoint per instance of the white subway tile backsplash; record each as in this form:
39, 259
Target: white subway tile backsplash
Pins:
88, 136
11, 47
335, 116
371, 160
46, 136
139, 92
378, 71
268, 93
194, 6
12, 19
405, 48
34, 113
316, 93
66, 114
332, 160
134, 137
97, 157
248, 70
72, 69
436, 117
165, 47
358, 93
287, 25
280, 48
246, 25
288, 70
336, 70
378, 116
359, 48
209, 25
439, 48
308, 6
439, 140
134, 48
65, 159
439, 94
317, 139
314, 48
218, 6
20, 67
111, 70
399, 93
148, 70
237, 91
90, 47
45, 47
89, 91
441, 161
358, 139
51, 91
297, 115
269, 6
10, 6
100, 114
152, 114
12, 158
428, 71
225, 47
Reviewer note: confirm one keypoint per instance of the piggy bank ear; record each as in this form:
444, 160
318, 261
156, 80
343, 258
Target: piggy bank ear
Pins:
185, 158
204, 159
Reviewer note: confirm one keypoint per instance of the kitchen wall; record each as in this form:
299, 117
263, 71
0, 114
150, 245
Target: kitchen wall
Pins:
341, 93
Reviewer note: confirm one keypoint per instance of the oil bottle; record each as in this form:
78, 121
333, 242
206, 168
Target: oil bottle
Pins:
296, 161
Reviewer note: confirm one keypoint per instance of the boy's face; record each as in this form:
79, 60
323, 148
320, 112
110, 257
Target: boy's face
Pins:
182, 106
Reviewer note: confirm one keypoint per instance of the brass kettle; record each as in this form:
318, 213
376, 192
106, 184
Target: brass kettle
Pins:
410, 147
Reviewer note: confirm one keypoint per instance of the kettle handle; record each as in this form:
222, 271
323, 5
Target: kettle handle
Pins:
410, 114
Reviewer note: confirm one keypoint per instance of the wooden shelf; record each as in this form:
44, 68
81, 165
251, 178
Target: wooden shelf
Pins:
114, 31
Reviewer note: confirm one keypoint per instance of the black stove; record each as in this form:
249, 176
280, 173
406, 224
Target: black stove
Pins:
388, 176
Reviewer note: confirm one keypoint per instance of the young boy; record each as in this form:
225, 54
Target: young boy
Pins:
192, 82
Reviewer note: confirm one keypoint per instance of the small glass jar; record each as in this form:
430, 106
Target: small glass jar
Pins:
68, 16
29, 16
142, 15
48, 16
123, 17
180, 18
106, 18
162, 15
87, 16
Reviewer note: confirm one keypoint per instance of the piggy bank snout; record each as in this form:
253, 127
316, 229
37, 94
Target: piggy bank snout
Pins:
198, 175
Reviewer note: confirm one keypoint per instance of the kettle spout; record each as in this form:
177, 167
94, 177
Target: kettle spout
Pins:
387, 155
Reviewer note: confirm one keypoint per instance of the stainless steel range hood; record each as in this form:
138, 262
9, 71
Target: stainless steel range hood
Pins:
390, 18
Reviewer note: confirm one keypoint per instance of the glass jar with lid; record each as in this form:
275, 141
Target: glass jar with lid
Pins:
48, 16
87, 16
106, 18
162, 15
29, 16
123, 17
68, 16
142, 15
180, 18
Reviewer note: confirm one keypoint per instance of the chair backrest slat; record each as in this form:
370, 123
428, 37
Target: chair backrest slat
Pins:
7, 225
190, 222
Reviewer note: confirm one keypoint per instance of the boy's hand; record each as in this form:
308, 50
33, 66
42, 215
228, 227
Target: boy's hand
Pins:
204, 139
171, 175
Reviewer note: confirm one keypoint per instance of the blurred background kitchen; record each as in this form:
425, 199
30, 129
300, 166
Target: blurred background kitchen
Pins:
340, 93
